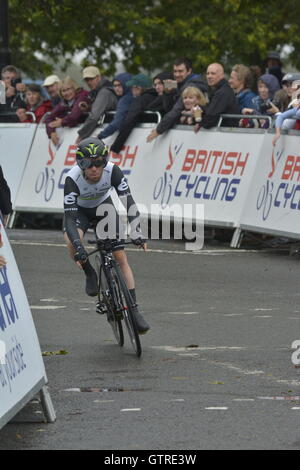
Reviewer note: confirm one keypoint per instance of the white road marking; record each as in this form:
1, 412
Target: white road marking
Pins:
216, 408
198, 348
182, 313
243, 399
130, 409
47, 307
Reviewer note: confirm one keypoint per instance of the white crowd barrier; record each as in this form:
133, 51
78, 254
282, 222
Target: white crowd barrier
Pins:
15, 144
273, 201
22, 372
226, 170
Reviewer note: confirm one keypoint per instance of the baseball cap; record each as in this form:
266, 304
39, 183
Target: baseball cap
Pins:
50, 80
90, 72
141, 80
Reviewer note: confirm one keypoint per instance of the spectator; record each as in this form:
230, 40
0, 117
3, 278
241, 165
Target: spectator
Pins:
241, 81
144, 94
289, 118
14, 88
173, 104
267, 87
283, 97
102, 98
35, 104
52, 85
125, 97
68, 113
158, 84
5, 198
193, 101
273, 65
222, 99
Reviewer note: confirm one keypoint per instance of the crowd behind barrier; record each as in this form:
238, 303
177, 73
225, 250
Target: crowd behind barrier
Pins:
251, 101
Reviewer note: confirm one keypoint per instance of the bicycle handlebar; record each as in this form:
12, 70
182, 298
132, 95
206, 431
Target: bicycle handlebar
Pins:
107, 245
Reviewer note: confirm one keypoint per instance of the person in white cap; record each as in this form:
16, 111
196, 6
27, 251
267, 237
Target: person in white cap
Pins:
52, 84
102, 98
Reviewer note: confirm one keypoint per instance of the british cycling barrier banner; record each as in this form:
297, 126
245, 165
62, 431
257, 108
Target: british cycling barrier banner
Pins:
22, 371
273, 200
211, 168
15, 144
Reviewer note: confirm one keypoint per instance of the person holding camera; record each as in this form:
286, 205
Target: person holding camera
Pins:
14, 88
264, 103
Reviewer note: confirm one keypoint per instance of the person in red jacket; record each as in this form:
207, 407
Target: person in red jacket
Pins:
35, 104
68, 113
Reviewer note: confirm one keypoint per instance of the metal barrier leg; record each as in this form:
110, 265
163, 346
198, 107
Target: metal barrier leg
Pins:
11, 219
47, 405
237, 238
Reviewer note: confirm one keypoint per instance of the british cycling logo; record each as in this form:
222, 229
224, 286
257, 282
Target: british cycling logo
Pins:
265, 196
163, 187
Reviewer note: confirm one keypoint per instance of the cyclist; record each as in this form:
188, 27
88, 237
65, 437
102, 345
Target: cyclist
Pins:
87, 203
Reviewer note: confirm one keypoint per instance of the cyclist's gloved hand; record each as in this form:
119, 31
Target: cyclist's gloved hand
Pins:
80, 253
139, 241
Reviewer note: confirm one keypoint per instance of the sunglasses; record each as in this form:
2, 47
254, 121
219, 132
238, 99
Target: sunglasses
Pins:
89, 163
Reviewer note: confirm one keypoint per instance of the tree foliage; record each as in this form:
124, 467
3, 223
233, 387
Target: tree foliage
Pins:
150, 34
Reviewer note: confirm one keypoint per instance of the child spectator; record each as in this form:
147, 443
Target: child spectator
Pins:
193, 101
68, 112
34, 104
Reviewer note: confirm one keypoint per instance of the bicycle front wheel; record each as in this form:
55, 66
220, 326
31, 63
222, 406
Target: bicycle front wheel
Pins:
106, 297
126, 302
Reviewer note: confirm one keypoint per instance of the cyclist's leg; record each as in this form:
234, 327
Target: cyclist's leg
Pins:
122, 260
91, 285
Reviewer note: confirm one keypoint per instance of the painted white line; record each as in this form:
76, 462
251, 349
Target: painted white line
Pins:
47, 307
263, 316
182, 313
233, 314
130, 409
177, 399
216, 408
48, 300
103, 401
198, 348
295, 408
238, 369
71, 390
243, 399
262, 309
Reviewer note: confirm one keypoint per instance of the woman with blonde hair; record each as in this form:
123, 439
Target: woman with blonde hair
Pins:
68, 112
193, 100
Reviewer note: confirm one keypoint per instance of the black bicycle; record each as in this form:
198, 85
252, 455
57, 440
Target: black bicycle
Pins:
114, 298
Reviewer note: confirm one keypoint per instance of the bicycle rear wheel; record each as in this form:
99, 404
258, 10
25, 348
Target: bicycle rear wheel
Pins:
127, 306
105, 296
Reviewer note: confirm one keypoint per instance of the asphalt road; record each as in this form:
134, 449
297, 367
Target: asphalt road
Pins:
216, 370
